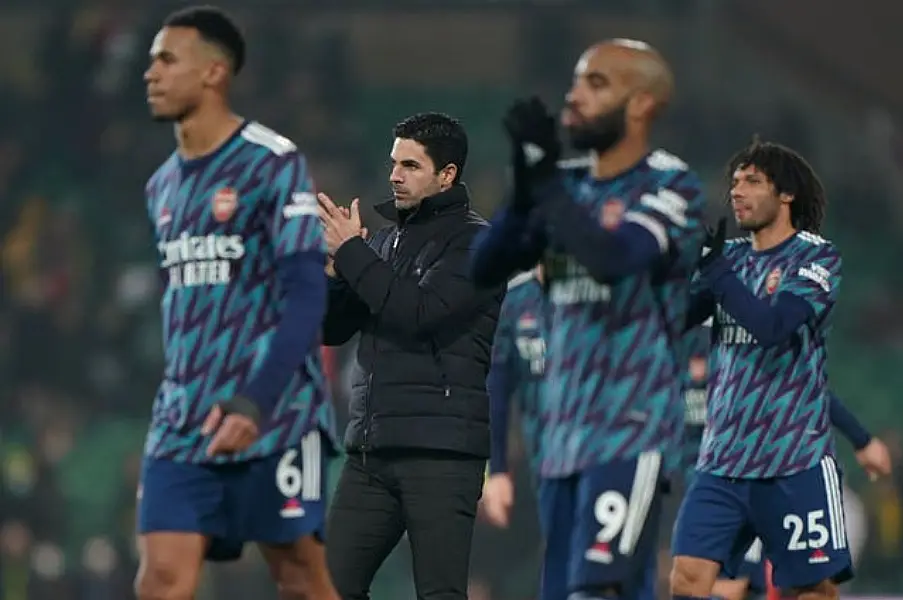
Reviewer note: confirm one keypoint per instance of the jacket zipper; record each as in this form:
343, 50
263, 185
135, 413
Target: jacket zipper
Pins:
367, 416
398, 233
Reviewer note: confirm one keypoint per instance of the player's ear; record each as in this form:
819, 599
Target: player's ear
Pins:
217, 73
447, 175
785, 198
641, 106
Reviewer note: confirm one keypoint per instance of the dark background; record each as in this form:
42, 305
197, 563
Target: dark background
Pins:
79, 324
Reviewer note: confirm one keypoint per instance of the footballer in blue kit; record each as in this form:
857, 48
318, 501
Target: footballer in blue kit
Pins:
515, 381
766, 467
241, 425
618, 242
750, 574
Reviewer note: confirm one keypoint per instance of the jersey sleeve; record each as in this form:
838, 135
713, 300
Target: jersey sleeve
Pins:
294, 223
503, 342
673, 214
816, 279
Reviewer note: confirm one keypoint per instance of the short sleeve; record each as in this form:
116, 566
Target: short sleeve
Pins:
294, 224
816, 279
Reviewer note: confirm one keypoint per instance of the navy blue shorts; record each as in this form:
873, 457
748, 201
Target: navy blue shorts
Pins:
799, 519
273, 500
601, 527
649, 588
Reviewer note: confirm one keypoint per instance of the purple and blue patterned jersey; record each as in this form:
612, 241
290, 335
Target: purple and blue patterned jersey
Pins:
769, 406
518, 350
615, 362
695, 395
221, 222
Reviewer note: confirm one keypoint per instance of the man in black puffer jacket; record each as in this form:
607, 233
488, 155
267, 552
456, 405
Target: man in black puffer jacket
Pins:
418, 435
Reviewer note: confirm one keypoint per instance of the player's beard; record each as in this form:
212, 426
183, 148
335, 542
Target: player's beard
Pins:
600, 133
755, 223
407, 203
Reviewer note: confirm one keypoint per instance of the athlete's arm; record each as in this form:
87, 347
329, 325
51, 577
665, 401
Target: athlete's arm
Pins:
302, 278
500, 384
802, 297
660, 224
770, 321
296, 236
413, 305
847, 423
513, 242
606, 254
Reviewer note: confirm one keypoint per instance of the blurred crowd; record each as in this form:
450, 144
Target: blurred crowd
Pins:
79, 326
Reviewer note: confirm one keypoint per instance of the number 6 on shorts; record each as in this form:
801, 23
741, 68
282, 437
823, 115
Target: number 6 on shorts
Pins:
298, 476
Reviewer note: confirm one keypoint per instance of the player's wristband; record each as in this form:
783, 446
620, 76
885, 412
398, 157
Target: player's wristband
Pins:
241, 405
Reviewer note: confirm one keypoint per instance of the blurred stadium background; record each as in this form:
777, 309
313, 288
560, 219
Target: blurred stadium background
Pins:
79, 327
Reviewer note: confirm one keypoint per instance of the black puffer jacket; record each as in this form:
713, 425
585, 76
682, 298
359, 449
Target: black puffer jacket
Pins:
426, 331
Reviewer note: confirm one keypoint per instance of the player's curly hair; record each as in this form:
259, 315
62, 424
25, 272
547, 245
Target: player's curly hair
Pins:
791, 174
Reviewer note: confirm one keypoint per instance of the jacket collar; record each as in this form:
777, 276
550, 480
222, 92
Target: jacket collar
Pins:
455, 197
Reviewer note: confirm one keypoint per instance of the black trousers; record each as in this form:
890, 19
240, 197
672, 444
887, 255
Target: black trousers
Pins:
430, 494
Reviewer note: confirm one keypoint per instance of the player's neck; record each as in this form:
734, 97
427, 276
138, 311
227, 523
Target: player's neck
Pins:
771, 236
619, 158
205, 131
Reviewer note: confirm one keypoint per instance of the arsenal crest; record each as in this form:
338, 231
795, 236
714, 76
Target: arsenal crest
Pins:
773, 281
225, 201
612, 213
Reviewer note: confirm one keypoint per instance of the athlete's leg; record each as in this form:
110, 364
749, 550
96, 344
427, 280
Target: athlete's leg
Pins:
284, 507
170, 565
299, 569
557, 501
616, 527
750, 576
648, 589
180, 512
711, 530
730, 589
801, 522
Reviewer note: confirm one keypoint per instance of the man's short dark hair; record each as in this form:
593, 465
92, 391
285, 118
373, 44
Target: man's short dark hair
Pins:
442, 136
215, 27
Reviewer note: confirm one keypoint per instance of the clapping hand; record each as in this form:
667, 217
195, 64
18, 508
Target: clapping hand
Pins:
535, 147
714, 244
339, 224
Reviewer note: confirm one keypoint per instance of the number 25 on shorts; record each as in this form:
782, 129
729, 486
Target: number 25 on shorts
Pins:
808, 534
